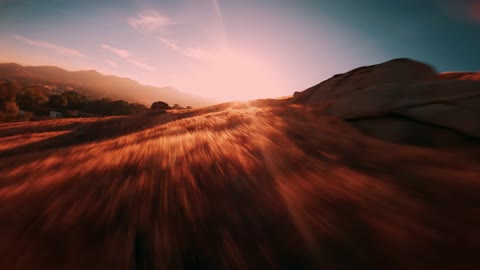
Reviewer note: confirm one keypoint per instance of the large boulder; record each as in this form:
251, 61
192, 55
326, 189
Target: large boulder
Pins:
159, 105
403, 101
397, 71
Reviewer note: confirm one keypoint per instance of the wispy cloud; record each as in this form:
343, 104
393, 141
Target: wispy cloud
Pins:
120, 52
149, 21
50, 46
111, 63
194, 53
475, 11
462, 10
141, 65
129, 57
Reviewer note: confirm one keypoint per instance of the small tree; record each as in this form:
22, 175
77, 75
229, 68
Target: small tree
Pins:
31, 98
74, 99
8, 91
10, 109
58, 101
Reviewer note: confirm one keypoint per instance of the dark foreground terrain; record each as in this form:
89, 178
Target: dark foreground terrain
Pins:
262, 185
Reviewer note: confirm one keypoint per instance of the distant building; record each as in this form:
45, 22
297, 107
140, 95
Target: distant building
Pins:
55, 114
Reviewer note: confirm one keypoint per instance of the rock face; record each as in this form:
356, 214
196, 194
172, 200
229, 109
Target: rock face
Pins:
159, 105
459, 76
403, 101
398, 71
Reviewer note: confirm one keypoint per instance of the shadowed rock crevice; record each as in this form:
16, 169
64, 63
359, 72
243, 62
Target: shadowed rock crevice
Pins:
400, 129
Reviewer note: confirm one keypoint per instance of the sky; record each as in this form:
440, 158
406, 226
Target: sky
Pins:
238, 49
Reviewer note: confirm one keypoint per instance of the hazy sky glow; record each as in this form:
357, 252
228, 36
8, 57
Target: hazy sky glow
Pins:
238, 49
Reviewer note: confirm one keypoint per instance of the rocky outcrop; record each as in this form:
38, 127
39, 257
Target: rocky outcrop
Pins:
459, 76
394, 72
159, 105
403, 101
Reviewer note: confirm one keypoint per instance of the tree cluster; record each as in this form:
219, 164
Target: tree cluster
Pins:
16, 103
8, 106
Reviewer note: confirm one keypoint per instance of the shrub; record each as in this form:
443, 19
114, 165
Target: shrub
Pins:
10, 108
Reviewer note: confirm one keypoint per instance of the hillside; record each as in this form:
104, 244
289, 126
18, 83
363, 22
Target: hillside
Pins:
315, 181
97, 85
266, 184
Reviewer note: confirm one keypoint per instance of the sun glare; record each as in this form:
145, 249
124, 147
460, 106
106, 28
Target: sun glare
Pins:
235, 74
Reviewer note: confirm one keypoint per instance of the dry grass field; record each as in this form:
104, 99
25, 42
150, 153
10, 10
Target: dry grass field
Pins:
259, 185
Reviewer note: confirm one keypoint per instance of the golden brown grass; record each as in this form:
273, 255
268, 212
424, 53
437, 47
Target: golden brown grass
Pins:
260, 185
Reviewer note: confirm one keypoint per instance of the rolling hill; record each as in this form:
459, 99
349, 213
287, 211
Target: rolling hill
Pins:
267, 184
97, 85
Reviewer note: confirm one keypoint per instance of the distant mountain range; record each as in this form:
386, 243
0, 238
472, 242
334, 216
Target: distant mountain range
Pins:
95, 84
